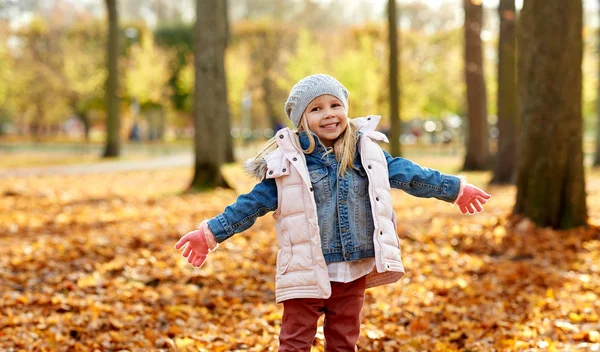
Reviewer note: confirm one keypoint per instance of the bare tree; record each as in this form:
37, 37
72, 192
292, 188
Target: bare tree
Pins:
597, 156
505, 168
211, 112
112, 99
394, 91
550, 176
477, 136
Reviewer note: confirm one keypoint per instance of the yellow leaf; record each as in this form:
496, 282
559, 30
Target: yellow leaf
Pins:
89, 281
521, 344
184, 342
575, 318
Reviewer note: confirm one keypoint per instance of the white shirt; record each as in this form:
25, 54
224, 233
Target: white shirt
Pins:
349, 271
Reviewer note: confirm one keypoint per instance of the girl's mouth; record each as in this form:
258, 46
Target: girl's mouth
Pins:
330, 126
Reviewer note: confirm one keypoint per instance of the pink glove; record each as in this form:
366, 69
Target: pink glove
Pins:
199, 243
471, 199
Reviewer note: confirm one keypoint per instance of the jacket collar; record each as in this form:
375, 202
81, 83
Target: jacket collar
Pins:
304, 142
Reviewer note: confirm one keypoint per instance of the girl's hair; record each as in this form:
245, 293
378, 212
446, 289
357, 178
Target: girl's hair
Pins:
344, 148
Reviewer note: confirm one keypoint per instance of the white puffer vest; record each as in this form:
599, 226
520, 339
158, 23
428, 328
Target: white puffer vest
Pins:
301, 268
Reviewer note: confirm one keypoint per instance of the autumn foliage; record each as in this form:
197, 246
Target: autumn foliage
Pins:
87, 263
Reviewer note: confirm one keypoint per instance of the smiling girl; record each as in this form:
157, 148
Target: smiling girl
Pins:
328, 183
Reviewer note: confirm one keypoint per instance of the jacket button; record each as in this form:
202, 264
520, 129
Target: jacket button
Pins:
311, 189
381, 232
295, 159
283, 170
270, 172
377, 199
368, 119
369, 166
280, 136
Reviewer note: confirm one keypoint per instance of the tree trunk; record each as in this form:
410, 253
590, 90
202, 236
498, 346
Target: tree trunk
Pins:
227, 139
267, 99
505, 168
394, 91
112, 99
477, 136
211, 112
550, 176
597, 156
87, 124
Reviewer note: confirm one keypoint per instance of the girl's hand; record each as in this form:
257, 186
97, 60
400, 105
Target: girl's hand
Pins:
199, 243
472, 199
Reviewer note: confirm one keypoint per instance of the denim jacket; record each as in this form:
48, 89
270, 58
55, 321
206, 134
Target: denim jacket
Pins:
343, 206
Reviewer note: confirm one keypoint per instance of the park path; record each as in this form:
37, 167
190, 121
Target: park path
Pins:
171, 161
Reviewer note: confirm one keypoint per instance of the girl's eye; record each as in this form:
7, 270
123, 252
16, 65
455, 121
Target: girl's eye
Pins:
316, 108
335, 105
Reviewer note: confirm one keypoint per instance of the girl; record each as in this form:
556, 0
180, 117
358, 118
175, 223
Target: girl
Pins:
329, 185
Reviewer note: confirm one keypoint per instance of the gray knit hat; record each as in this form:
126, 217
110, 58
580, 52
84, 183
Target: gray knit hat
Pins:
307, 89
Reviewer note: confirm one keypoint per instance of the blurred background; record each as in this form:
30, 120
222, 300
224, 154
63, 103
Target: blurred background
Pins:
53, 70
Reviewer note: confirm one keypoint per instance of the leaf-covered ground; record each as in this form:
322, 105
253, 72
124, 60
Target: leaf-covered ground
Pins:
87, 262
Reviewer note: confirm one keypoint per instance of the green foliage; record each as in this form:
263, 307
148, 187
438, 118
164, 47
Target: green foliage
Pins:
431, 74
37, 89
590, 77
130, 33
5, 78
266, 45
5, 69
177, 37
185, 84
84, 65
308, 58
358, 69
237, 70
148, 73
58, 70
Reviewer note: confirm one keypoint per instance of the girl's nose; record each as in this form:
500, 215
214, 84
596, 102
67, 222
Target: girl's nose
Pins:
328, 113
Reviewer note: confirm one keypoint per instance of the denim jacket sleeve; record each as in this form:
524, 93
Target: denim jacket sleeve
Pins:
242, 214
421, 181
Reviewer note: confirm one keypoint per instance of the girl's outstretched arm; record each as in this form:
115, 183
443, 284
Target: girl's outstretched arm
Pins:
426, 183
420, 181
236, 218
242, 214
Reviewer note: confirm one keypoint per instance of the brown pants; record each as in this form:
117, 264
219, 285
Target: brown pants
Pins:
342, 319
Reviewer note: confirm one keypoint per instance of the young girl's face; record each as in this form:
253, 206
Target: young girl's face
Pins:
327, 118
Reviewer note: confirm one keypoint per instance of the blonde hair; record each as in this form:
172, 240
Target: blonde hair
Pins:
344, 148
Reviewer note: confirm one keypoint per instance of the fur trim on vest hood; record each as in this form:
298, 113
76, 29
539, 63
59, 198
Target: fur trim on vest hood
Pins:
256, 167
